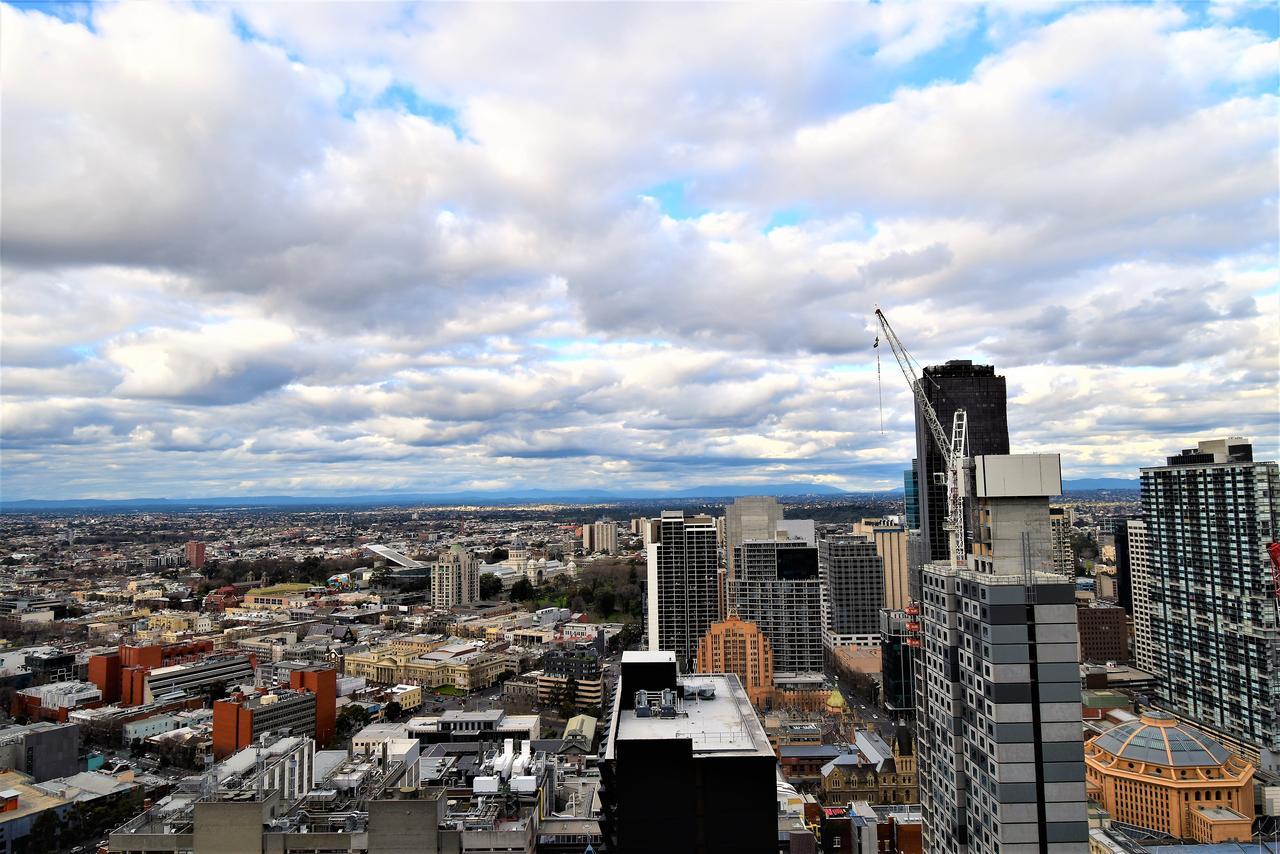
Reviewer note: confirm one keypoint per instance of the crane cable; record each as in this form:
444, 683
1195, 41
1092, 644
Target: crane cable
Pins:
879, 383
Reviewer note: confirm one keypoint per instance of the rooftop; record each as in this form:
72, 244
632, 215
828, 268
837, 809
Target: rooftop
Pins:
278, 589
725, 723
1158, 738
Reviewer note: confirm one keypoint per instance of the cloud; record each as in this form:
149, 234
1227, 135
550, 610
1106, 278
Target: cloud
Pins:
374, 246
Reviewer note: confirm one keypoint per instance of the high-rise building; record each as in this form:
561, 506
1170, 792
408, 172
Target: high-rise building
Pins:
1210, 512
897, 661
852, 575
1060, 522
1144, 650
753, 517
683, 584
738, 646
1124, 573
600, 537
1000, 754
686, 765
455, 578
959, 384
890, 538
911, 496
195, 554
1104, 632
777, 588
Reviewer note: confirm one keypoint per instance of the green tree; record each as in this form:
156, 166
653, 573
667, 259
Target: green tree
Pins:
522, 590
353, 718
490, 586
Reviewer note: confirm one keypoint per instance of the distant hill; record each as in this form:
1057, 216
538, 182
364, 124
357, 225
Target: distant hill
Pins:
528, 496
1095, 483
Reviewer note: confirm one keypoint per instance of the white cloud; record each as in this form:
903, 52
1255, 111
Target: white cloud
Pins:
223, 241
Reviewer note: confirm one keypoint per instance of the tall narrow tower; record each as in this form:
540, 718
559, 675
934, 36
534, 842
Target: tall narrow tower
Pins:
1210, 513
684, 588
1000, 756
959, 384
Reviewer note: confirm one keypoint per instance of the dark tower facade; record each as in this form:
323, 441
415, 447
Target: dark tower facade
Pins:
977, 389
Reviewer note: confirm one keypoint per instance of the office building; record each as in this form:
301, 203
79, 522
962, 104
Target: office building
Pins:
240, 720
852, 576
197, 676
195, 554
777, 588
750, 518
890, 538
683, 593
41, 750
1124, 573
1210, 512
897, 660
1171, 780
739, 647
323, 682
959, 384
121, 674
911, 496
1104, 632
1000, 753
686, 764
572, 677
455, 579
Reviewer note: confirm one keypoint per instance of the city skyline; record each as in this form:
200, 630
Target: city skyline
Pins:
358, 248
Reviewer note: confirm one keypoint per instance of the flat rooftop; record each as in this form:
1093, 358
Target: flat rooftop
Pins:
725, 724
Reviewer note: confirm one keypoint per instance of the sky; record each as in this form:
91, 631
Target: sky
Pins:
328, 249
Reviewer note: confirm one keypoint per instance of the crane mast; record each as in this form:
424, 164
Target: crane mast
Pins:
954, 449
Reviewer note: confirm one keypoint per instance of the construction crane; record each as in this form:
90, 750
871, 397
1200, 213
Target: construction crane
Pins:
953, 449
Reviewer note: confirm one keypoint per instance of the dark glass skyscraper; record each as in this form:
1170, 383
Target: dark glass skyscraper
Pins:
959, 384
911, 495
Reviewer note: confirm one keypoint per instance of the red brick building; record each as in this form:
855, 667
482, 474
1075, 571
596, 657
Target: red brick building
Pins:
121, 675
308, 706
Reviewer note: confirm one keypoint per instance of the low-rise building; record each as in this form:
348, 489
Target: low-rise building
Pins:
1169, 778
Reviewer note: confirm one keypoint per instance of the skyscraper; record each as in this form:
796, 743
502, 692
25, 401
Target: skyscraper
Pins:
683, 584
911, 496
891, 544
1000, 753
852, 575
959, 384
777, 588
455, 578
1209, 513
738, 646
1124, 573
600, 537
754, 517
1144, 651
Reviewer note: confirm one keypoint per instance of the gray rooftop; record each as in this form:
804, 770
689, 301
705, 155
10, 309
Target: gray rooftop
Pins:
1158, 738
724, 724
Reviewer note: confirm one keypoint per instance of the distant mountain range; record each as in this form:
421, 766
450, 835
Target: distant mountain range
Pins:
1095, 483
518, 496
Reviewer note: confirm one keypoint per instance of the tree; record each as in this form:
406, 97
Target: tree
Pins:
497, 555
353, 718
392, 711
605, 601
490, 586
522, 590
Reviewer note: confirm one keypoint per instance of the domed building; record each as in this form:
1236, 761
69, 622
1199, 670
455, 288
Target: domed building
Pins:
1159, 774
